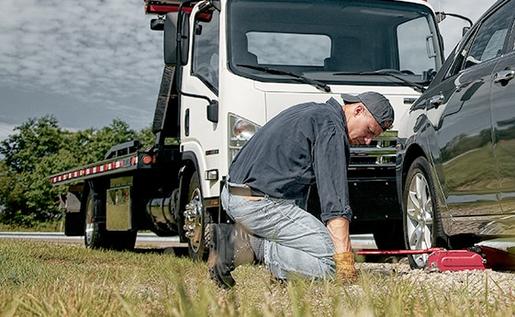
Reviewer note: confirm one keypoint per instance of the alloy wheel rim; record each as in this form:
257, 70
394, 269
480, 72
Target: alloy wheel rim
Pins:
419, 217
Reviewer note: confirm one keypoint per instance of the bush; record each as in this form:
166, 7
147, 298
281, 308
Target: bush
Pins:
39, 148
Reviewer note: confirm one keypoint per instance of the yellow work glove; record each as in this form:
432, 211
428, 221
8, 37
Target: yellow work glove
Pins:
345, 270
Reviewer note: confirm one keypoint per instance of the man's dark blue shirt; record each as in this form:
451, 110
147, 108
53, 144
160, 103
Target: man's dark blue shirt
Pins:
304, 144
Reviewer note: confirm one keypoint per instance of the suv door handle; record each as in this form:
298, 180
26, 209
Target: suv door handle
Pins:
504, 76
436, 100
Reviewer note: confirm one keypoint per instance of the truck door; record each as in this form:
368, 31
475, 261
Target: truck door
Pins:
201, 135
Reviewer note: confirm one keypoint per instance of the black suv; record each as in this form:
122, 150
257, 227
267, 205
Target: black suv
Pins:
456, 152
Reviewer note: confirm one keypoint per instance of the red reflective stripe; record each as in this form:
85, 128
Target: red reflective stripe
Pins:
161, 9
130, 161
165, 8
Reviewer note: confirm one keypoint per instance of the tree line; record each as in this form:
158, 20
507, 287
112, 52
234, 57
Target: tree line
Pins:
39, 148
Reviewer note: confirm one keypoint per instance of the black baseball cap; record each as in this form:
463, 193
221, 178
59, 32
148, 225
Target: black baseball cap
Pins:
377, 105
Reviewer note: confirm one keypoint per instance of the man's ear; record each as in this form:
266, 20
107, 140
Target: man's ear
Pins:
359, 109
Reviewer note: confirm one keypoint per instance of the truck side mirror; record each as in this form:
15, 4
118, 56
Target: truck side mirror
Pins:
170, 39
171, 29
440, 16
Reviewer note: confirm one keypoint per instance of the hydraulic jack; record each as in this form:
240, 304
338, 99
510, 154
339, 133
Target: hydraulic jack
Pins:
478, 257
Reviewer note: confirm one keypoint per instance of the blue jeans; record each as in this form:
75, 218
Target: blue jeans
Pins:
294, 241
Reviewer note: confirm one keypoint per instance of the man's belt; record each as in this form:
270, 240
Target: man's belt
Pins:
243, 191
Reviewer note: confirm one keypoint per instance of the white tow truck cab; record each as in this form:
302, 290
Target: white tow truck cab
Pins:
232, 65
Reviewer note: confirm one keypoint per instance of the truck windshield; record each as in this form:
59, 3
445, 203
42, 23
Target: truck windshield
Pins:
333, 40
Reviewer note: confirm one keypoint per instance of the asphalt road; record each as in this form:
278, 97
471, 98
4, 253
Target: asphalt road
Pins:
150, 240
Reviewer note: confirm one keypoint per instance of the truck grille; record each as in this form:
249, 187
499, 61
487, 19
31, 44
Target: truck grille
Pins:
379, 153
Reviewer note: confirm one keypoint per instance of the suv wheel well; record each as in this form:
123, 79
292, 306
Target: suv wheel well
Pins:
412, 154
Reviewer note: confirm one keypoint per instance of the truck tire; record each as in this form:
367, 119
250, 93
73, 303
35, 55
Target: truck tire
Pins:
421, 217
195, 220
95, 234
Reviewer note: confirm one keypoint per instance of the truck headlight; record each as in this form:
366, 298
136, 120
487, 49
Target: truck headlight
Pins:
240, 131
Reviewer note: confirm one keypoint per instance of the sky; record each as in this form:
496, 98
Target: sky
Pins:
89, 62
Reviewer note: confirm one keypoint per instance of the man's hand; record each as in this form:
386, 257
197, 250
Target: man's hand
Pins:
345, 270
343, 258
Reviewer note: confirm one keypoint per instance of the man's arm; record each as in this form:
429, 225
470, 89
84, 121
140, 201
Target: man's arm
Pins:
339, 231
330, 166
343, 257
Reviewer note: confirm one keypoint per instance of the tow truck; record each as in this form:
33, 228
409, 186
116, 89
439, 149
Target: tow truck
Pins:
229, 67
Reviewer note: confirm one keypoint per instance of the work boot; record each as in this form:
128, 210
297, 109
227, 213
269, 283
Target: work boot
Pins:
229, 246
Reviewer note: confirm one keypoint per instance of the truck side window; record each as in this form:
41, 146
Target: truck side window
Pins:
490, 38
413, 37
205, 51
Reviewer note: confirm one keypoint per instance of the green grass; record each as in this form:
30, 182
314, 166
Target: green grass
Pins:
45, 279
51, 226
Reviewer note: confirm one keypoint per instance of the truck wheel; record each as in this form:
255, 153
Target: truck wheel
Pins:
422, 227
195, 220
96, 236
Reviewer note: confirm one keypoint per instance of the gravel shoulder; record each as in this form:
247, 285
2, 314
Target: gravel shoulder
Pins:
490, 285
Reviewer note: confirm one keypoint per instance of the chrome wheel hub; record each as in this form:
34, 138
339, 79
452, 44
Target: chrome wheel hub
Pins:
193, 220
89, 223
419, 222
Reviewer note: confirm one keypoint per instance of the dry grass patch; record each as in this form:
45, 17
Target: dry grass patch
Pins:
45, 279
